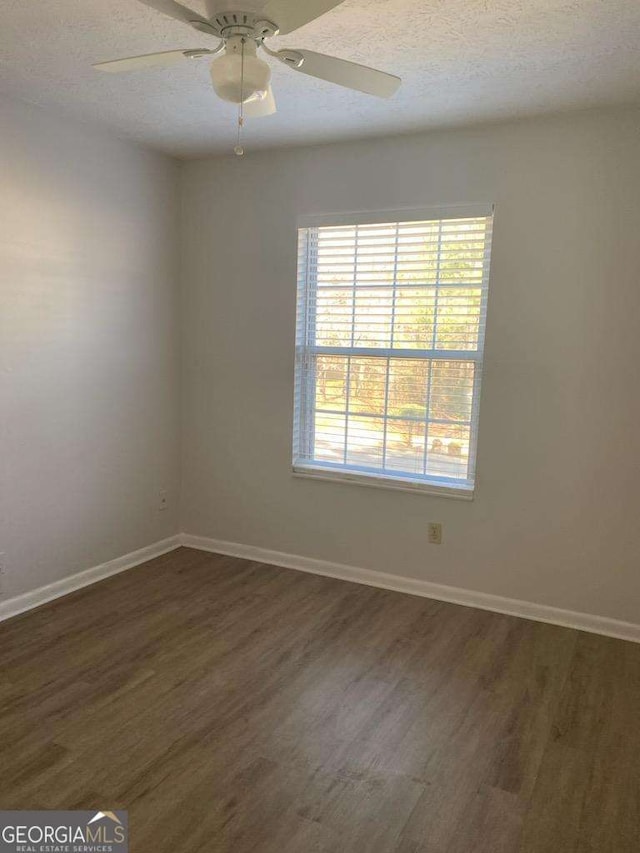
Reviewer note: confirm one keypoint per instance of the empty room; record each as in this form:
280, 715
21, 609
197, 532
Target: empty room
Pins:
320, 426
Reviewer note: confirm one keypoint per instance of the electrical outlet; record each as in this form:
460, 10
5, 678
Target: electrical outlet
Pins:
3, 570
435, 533
163, 500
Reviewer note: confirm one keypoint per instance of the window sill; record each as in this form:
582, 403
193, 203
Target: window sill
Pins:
376, 481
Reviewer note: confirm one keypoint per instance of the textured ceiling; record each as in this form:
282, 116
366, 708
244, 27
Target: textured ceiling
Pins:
462, 61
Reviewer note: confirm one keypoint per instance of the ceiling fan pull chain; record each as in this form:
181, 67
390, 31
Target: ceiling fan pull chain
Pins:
239, 150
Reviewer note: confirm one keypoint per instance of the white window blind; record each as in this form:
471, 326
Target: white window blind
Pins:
390, 334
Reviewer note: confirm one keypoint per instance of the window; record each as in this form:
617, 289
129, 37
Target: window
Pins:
390, 334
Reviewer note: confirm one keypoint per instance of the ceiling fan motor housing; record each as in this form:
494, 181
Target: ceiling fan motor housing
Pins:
228, 24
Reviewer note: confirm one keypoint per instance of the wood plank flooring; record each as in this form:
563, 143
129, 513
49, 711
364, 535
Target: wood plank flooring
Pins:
236, 707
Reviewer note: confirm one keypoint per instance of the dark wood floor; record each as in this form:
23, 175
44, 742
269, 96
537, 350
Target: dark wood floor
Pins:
232, 706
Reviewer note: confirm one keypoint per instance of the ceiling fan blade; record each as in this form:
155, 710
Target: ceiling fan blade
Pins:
175, 10
343, 73
258, 107
289, 15
150, 60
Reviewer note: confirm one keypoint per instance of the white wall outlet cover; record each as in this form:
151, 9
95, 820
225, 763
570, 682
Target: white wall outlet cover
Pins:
435, 533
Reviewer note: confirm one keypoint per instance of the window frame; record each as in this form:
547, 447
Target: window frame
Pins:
306, 348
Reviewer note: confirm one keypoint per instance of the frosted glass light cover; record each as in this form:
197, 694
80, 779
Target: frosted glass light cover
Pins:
226, 74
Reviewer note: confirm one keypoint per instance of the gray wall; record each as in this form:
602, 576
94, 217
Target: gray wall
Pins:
555, 518
88, 347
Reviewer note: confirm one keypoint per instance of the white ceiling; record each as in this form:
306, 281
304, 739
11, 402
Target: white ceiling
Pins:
462, 61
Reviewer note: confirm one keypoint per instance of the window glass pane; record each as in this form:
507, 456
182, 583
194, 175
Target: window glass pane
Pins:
414, 316
335, 256
331, 383
329, 437
334, 313
448, 451
458, 318
451, 390
373, 317
405, 445
367, 385
365, 439
408, 386
376, 257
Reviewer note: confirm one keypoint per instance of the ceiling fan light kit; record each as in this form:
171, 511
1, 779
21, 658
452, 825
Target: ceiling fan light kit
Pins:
240, 63
239, 76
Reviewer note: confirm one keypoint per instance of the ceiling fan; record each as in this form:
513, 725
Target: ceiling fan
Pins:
238, 75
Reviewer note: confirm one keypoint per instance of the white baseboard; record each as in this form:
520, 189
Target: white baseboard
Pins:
413, 586
29, 600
